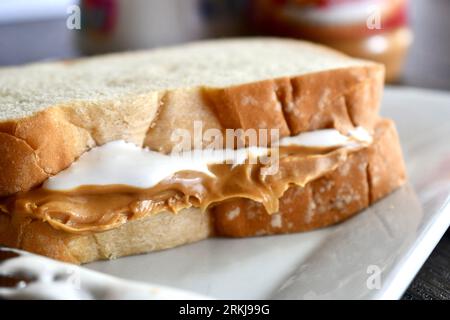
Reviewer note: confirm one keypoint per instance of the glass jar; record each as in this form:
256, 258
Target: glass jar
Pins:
372, 29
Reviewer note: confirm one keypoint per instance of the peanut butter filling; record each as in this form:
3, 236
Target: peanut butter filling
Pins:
88, 209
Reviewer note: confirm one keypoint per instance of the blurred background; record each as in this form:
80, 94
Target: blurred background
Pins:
412, 38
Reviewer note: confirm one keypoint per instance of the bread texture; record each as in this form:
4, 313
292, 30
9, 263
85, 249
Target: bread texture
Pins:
161, 231
51, 113
368, 175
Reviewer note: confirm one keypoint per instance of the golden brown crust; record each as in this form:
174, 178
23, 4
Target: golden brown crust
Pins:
249, 106
37, 147
368, 175
50, 140
339, 98
320, 203
19, 165
386, 168
365, 177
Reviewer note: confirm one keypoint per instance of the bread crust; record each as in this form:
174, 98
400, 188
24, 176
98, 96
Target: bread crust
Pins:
368, 175
49, 141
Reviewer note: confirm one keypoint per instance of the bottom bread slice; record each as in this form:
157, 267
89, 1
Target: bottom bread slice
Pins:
364, 178
367, 176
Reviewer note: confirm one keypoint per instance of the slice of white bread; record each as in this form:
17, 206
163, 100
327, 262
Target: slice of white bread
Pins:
367, 176
50, 113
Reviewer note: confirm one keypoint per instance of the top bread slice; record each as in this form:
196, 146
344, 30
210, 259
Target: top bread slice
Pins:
50, 113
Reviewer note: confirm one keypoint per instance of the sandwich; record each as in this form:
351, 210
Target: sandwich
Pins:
128, 153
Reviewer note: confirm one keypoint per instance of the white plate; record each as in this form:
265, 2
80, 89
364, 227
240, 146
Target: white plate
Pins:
395, 236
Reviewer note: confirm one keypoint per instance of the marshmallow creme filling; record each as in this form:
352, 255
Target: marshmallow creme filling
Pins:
119, 182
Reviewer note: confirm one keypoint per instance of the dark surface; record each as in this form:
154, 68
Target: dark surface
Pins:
428, 65
433, 280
